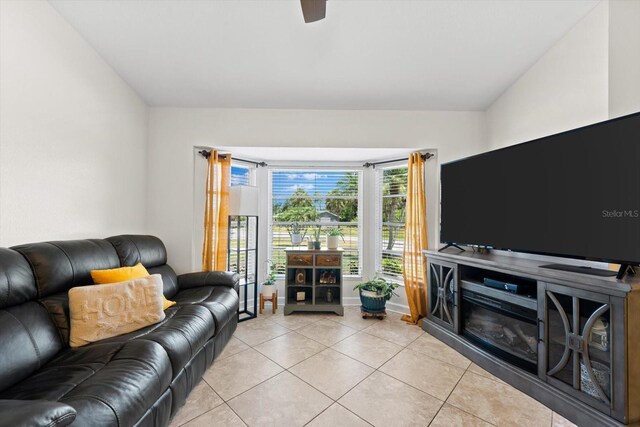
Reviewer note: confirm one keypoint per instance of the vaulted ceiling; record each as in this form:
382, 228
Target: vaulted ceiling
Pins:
389, 55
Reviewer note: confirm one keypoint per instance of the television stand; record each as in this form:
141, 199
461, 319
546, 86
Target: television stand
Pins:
626, 269
449, 245
581, 331
581, 269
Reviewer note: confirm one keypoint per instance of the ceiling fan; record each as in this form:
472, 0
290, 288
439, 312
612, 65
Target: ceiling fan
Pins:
313, 10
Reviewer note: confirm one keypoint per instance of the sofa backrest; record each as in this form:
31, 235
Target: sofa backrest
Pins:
151, 252
59, 266
28, 337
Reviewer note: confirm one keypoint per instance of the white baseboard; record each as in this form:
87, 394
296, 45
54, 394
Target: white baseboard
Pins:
350, 302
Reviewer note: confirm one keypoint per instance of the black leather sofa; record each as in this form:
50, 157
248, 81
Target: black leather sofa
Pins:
137, 379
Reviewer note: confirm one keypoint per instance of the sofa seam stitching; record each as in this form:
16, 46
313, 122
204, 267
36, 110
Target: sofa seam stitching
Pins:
73, 270
99, 400
33, 341
33, 272
60, 418
8, 285
40, 302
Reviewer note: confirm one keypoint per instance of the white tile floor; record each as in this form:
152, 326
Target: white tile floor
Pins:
326, 370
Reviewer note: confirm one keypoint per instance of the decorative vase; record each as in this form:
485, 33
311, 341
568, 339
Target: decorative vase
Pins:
316, 245
329, 296
332, 242
372, 301
296, 239
310, 244
268, 290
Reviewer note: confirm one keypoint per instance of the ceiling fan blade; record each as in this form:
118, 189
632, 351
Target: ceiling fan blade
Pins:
313, 10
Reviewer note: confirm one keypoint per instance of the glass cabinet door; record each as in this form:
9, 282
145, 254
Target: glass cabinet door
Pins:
577, 339
442, 294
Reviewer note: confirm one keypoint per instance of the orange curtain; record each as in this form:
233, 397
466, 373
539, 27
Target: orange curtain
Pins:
216, 212
413, 260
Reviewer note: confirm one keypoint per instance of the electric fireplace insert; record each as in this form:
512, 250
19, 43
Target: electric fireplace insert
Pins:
502, 323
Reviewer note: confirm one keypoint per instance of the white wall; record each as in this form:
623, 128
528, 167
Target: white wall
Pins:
72, 137
592, 74
174, 132
565, 89
624, 57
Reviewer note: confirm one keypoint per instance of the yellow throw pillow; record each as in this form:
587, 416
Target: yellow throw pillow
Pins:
115, 275
108, 310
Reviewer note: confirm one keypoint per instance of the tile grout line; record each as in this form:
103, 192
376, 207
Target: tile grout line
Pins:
209, 410
449, 395
334, 401
374, 369
237, 415
252, 387
456, 386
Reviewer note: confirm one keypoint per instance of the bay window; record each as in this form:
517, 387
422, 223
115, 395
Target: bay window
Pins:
312, 197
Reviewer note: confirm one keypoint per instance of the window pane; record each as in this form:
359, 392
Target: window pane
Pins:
391, 264
394, 181
391, 218
393, 238
316, 197
393, 208
239, 175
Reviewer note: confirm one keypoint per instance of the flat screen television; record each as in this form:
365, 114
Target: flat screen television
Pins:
575, 194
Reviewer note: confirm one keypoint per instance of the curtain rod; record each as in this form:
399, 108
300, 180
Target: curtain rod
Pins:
206, 154
425, 156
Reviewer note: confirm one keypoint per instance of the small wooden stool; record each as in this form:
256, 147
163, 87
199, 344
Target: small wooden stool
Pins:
274, 301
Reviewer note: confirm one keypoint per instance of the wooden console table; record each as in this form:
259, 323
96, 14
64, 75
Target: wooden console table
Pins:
576, 345
313, 281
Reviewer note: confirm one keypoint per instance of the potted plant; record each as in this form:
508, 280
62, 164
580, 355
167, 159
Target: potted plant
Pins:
332, 237
269, 285
315, 237
375, 293
296, 232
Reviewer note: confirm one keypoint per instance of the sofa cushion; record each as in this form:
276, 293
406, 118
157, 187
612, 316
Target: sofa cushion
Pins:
122, 274
169, 279
60, 266
17, 284
133, 249
28, 340
103, 311
182, 333
221, 301
106, 383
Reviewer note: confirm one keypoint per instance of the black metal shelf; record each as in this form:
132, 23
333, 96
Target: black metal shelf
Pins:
237, 223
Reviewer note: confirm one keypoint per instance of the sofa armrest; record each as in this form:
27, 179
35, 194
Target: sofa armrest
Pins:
209, 278
35, 413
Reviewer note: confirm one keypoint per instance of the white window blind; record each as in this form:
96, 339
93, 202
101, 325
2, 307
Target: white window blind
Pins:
240, 175
391, 188
315, 197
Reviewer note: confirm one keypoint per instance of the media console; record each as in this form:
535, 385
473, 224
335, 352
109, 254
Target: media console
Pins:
569, 340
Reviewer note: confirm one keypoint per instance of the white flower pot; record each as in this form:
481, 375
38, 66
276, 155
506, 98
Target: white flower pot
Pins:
296, 239
332, 242
268, 290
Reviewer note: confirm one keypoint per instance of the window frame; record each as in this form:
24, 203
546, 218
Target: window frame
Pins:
319, 168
